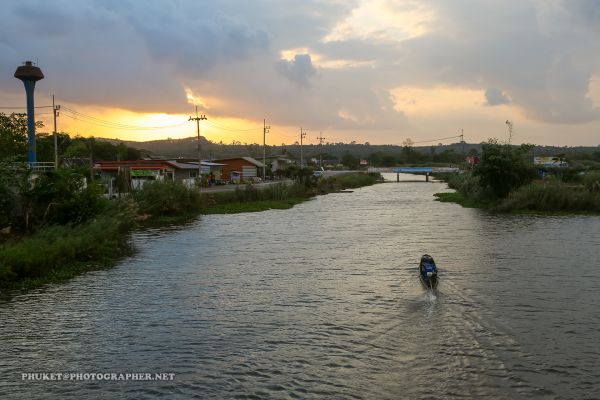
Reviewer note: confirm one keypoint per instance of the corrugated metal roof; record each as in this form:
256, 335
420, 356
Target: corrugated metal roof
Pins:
253, 161
248, 159
192, 165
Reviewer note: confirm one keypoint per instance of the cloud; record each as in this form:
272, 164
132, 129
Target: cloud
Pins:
348, 58
495, 97
299, 70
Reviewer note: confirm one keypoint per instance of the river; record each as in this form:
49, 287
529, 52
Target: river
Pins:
323, 301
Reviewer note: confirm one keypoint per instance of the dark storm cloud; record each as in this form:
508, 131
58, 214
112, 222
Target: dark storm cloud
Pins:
299, 70
194, 38
135, 55
495, 97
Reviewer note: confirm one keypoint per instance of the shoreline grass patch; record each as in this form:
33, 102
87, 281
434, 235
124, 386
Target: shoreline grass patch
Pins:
57, 252
551, 198
458, 198
255, 206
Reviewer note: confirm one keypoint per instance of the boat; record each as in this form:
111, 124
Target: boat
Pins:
428, 272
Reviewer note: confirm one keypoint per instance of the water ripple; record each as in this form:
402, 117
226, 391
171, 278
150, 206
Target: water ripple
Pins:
323, 301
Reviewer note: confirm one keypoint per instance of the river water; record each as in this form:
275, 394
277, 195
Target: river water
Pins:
323, 301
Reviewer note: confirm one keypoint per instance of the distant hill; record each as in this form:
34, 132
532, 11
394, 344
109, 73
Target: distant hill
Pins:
186, 148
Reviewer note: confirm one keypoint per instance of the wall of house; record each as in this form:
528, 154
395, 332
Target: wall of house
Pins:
181, 174
236, 164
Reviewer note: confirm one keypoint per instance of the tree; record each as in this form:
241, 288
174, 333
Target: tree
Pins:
408, 155
504, 168
349, 160
13, 136
408, 142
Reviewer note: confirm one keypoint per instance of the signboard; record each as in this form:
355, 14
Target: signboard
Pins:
144, 172
550, 162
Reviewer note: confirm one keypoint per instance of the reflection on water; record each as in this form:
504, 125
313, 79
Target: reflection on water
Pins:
324, 301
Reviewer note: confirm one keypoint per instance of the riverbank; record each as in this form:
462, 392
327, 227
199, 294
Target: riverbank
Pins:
60, 252
554, 198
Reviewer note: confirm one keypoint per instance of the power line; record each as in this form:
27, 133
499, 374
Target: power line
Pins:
302, 136
437, 140
117, 124
20, 108
198, 119
73, 114
218, 126
265, 131
321, 138
113, 126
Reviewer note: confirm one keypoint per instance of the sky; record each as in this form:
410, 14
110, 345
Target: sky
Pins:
376, 71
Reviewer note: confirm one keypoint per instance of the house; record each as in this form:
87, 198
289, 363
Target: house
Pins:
472, 160
138, 172
187, 169
240, 168
279, 163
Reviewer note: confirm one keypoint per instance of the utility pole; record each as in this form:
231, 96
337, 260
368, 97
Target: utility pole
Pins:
321, 138
302, 136
462, 140
198, 119
55, 109
510, 130
265, 131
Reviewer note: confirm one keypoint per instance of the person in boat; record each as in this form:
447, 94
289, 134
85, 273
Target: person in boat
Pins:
427, 260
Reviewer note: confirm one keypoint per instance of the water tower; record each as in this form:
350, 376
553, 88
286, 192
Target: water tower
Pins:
30, 74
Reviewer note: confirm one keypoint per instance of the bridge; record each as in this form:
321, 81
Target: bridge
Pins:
416, 170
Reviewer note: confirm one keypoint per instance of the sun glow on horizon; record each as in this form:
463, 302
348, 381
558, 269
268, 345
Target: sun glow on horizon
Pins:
113, 123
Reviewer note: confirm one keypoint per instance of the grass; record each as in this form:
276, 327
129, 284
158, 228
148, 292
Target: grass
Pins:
551, 199
534, 198
459, 198
58, 274
59, 252
254, 206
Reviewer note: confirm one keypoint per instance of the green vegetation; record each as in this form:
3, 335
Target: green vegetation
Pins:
556, 197
504, 182
255, 206
72, 229
348, 181
459, 198
57, 252
170, 201
504, 168
167, 199
13, 144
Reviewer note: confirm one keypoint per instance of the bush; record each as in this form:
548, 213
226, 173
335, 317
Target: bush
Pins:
467, 184
167, 198
504, 168
591, 181
62, 197
272, 192
99, 239
552, 198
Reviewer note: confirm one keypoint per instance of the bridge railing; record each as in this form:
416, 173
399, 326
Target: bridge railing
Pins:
414, 170
42, 166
